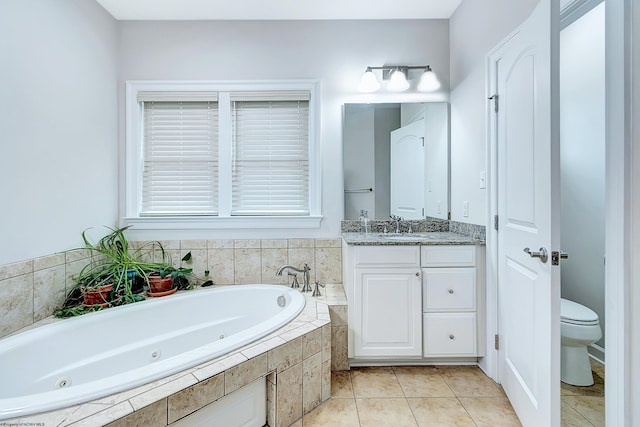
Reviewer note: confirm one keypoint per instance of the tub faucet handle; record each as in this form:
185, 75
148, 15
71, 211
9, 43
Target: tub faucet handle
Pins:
316, 291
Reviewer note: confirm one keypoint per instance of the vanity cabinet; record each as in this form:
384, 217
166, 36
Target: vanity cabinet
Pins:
387, 302
449, 301
415, 303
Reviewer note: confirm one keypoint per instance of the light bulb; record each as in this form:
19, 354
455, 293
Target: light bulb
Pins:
369, 82
398, 82
429, 81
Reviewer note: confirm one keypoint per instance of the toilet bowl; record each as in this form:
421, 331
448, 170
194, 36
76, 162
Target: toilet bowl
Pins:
579, 328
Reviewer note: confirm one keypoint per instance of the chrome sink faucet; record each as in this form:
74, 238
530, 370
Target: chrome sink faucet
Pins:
306, 287
396, 219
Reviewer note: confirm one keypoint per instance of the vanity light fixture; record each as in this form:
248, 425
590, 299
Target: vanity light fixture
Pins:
397, 76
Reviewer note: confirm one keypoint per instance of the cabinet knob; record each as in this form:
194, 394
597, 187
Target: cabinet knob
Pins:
418, 274
450, 291
451, 337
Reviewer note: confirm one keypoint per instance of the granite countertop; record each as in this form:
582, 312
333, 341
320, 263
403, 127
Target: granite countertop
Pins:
428, 238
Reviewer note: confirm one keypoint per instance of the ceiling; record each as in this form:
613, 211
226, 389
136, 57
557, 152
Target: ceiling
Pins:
278, 9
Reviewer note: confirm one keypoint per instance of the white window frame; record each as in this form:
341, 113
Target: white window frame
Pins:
132, 171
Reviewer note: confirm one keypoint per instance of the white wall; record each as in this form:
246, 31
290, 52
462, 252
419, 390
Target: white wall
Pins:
582, 160
337, 52
475, 28
58, 121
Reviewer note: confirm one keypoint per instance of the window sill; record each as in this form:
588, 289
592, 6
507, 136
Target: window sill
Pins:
223, 223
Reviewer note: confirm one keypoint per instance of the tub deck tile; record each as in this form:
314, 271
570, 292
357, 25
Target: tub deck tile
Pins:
218, 365
140, 401
112, 412
85, 410
262, 347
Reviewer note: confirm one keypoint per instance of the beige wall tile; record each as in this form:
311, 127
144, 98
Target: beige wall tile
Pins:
271, 400
311, 382
48, 261
199, 262
190, 245
48, 291
328, 243
154, 415
247, 266
272, 259
222, 266
338, 315
274, 244
16, 303
195, 397
245, 373
16, 269
285, 356
289, 396
339, 349
311, 343
219, 365
301, 243
246, 244
167, 389
220, 244
170, 245
326, 342
298, 257
76, 255
328, 265
326, 380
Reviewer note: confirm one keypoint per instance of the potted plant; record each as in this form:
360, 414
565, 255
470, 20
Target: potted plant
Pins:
168, 279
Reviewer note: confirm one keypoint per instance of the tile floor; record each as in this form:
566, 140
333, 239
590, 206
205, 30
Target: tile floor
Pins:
584, 406
412, 396
439, 396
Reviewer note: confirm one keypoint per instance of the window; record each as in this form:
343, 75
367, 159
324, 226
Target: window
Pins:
215, 154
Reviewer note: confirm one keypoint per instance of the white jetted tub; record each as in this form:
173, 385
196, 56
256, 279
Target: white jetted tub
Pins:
98, 354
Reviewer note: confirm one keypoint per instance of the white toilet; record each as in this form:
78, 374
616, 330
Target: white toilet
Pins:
579, 328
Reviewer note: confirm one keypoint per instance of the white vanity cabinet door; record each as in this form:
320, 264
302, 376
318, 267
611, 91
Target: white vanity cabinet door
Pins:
387, 307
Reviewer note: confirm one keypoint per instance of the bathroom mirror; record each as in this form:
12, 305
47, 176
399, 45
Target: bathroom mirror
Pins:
396, 160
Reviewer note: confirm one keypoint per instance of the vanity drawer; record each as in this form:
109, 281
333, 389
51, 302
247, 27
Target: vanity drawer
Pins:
448, 289
449, 334
448, 256
381, 256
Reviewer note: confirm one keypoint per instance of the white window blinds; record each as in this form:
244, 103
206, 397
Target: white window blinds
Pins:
270, 167
180, 153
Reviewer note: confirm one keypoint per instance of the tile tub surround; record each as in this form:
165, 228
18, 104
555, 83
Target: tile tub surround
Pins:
296, 360
32, 290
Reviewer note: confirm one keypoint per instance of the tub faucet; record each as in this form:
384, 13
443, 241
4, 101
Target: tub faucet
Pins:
306, 287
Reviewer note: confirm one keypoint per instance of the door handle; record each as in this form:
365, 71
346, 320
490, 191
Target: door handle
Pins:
542, 254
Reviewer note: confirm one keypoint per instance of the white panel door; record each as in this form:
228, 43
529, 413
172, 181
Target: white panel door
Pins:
407, 171
388, 309
528, 287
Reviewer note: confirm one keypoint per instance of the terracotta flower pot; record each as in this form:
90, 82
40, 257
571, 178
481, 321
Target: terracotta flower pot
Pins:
100, 295
160, 284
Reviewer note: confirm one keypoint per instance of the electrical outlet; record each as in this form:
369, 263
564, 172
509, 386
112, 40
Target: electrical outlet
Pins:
465, 209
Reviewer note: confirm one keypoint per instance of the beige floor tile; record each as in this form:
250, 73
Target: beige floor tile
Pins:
297, 423
392, 412
424, 386
333, 413
569, 417
341, 384
490, 411
380, 382
470, 382
590, 407
439, 412
416, 370
597, 368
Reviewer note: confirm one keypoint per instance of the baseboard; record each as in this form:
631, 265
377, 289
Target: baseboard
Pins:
596, 352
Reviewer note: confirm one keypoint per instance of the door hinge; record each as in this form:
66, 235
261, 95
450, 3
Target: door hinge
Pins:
422, 138
423, 212
497, 342
495, 222
495, 99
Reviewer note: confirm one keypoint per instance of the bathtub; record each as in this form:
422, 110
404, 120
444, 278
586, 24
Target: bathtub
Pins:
98, 354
